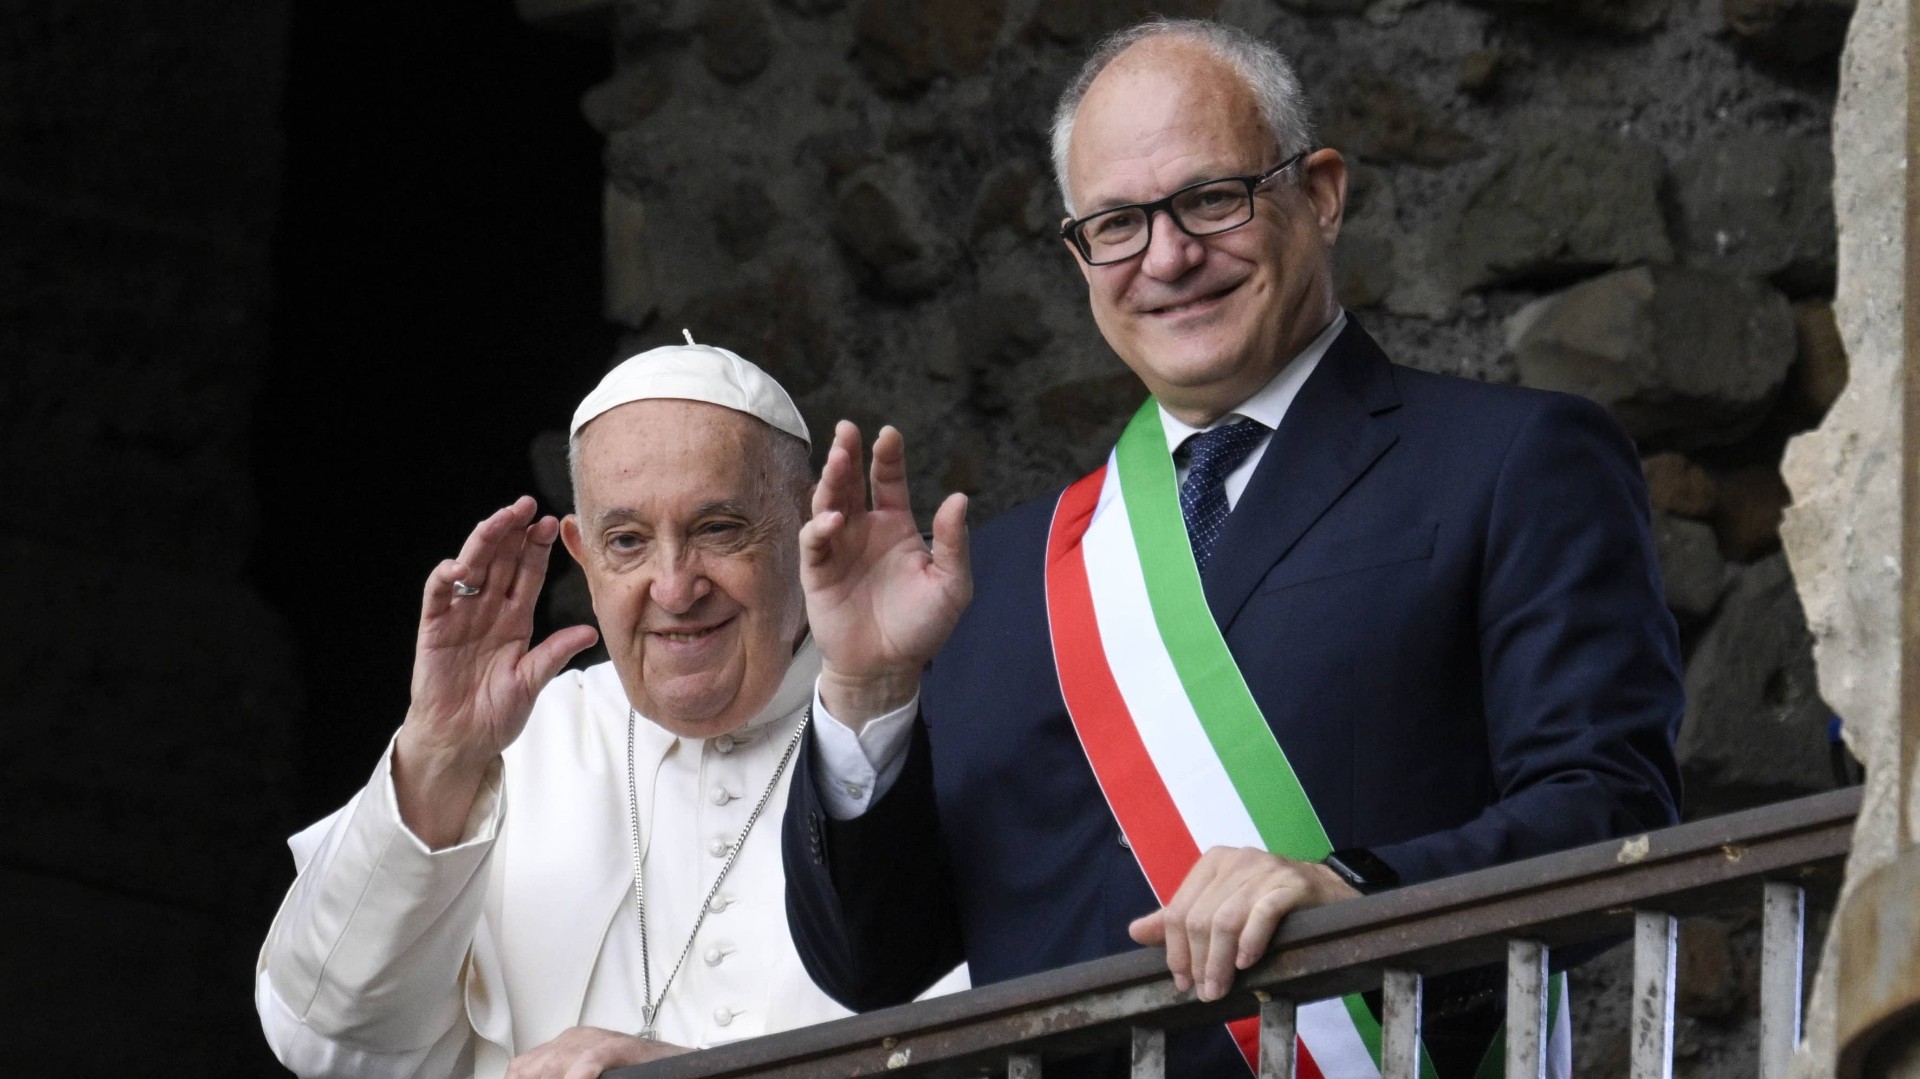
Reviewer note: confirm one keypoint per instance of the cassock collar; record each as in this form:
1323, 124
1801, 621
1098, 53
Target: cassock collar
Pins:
793, 693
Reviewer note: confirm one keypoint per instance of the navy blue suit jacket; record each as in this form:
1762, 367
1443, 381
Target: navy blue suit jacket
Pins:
1442, 593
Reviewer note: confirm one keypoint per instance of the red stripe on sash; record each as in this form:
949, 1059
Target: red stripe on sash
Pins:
1148, 816
1152, 824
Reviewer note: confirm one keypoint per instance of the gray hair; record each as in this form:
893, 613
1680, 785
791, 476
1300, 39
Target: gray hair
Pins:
1265, 69
790, 457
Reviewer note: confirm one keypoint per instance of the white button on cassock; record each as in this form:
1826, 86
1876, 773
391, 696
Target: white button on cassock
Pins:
718, 848
720, 796
714, 956
723, 1016
724, 743
718, 903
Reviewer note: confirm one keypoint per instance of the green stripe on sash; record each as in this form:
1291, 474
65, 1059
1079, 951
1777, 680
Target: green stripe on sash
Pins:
1254, 762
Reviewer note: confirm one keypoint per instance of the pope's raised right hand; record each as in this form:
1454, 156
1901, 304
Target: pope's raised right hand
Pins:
474, 676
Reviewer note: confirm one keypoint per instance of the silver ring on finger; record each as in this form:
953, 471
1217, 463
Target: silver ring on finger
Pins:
462, 588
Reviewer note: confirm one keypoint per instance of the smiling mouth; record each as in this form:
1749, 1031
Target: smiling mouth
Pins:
1189, 305
683, 636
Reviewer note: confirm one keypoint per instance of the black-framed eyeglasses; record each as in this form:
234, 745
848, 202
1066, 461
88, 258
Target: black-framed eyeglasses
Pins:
1207, 208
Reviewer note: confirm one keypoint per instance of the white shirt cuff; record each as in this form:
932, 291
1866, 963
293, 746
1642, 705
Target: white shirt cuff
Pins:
855, 769
483, 820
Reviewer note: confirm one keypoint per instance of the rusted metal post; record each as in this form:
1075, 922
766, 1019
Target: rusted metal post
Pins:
1782, 941
1652, 1022
1149, 1053
1400, 1025
1279, 1033
1023, 1066
1526, 1010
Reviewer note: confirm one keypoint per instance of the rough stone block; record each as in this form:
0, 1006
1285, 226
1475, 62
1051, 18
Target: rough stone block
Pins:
1364, 265
736, 40
1563, 206
1760, 204
1080, 21
903, 45
1016, 197
1795, 32
1091, 410
780, 321
1683, 357
1755, 729
1691, 568
879, 223
1819, 373
1616, 16
1678, 486
627, 295
1746, 515
1374, 117
634, 93
1708, 980
1480, 72
743, 215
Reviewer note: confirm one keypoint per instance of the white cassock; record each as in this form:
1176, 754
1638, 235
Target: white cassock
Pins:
389, 960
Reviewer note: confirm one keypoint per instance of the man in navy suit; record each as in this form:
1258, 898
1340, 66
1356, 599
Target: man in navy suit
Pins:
1440, 594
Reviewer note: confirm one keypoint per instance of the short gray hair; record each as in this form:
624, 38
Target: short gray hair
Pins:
1265, 69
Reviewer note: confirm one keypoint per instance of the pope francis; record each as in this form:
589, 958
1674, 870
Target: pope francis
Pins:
555, 873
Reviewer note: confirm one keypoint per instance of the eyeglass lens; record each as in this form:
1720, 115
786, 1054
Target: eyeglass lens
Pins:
1200, 210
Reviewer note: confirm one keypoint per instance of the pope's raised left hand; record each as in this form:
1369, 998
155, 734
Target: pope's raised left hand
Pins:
1225, 913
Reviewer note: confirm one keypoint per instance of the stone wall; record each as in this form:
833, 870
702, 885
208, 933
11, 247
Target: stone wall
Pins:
1843, 530
150, 694
1628, 199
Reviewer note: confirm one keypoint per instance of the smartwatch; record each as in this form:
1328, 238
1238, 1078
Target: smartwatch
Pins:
1363, 870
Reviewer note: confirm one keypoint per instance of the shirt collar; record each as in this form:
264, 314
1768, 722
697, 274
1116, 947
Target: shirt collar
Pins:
1269, 405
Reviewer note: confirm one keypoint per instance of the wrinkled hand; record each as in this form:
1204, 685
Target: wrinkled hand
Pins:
474, 676
585, 1052
1225, 913
879, 603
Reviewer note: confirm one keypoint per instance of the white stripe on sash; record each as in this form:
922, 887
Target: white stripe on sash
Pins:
1168, 725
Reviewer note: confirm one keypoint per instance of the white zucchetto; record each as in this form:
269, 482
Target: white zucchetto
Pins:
693, 372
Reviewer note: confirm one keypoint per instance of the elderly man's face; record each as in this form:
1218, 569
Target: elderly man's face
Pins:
687, 529
1205, 322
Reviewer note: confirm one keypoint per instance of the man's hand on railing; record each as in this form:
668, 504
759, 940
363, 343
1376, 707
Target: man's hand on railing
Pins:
585, 1052
1226, 911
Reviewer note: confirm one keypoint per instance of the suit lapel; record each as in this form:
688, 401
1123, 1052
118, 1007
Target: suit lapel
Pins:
1328, 440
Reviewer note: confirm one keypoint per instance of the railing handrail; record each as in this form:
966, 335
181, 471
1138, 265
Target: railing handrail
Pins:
1433, 928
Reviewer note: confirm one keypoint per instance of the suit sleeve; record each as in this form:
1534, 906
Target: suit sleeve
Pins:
1580, 663
870, 899
360, 974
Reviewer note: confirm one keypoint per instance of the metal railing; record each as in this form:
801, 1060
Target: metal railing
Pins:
1515, 914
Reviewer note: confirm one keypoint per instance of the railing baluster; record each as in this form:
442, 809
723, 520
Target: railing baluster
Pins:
1782, 940
1400, 1027
1652, 1015
1279, 1030
1023, 1066
1526, 1009
1149, 1053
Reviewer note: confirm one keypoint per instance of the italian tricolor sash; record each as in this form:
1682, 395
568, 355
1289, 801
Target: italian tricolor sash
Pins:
1182, 753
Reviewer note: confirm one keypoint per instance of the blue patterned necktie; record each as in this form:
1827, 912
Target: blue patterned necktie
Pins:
1203, 496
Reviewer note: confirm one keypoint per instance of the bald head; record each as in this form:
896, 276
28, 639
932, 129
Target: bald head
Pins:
1261, 70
